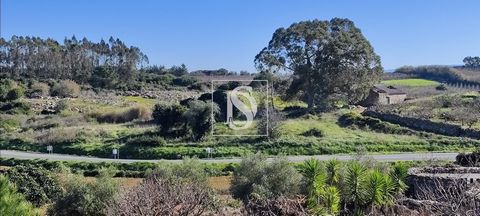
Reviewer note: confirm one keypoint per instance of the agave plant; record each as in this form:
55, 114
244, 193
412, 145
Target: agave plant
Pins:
310, 169
325, 199
399, 174
333, 172
353, 185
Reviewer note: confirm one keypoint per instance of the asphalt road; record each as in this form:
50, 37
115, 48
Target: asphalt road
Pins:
379, 157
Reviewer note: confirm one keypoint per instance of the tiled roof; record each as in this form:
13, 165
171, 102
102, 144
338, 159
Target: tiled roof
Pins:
390, 90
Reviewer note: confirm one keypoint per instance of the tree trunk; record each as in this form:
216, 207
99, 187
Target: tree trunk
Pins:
310, 101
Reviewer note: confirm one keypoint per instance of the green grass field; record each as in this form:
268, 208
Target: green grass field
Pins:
79, 134
411, 82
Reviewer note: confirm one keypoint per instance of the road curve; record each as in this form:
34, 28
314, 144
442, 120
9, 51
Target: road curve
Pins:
380, 157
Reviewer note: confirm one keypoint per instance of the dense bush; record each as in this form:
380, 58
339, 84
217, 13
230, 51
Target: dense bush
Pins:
15, 94
104, 77
220, 98
270, 124
66, 88
169, 118
61, 106
38, 89
315, 132
12, 202
16, 108
6, 85
164, 195
468, 159
83, 198
265, 179
441, 87
131, 114
8, 125
136, 170
162, 80
185, 80
229, 85
35, 183
199, 118
151, 141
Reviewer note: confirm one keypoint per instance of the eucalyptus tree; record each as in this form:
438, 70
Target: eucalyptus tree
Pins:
327, 60
34, 57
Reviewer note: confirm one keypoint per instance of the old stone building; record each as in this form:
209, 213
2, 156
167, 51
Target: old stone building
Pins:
383, 95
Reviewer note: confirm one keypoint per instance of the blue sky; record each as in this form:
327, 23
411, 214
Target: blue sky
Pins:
213, 34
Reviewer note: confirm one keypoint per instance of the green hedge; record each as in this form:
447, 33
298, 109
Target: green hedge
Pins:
134, 170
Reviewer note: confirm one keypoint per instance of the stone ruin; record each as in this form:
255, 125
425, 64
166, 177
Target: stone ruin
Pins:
453, 190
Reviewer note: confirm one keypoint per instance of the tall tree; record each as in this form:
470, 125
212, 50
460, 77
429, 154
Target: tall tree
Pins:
472, 62
12, 202
327, 59
38, 58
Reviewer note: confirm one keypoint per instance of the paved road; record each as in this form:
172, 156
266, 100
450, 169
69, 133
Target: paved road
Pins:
379, 157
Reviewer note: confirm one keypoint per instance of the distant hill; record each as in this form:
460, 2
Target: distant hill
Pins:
447, 74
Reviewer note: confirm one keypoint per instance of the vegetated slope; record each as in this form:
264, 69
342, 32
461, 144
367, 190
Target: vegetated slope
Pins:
71, 132
411, 82
442, 74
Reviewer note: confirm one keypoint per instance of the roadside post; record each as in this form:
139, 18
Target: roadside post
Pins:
50, 149
115, 153
209, 152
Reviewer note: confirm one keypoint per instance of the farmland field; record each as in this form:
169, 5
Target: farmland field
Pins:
411, 82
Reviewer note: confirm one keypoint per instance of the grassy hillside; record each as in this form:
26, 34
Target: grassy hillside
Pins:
74, 133
411, 82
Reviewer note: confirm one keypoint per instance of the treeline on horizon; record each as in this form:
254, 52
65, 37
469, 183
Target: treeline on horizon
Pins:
447, 74
78, 60
105, 64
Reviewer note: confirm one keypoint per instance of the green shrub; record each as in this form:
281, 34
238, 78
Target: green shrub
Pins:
61, 106
66, 88
131, 114
199, 118
189, 169
15, 94
104, 77
267, 180
16, 108
135, 170
441, 87
35, 183
6, 85
270, 124
315, 132
85, 198
168, 117
38, 89
151, 141
185, 80
9, 125
12, 202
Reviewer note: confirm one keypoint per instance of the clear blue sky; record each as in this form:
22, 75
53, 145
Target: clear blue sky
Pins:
213, 34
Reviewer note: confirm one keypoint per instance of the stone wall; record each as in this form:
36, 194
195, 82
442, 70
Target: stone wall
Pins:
396, 99
425, 125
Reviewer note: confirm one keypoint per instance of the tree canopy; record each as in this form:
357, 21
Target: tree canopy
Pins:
327, 59
34, 57
472, 62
